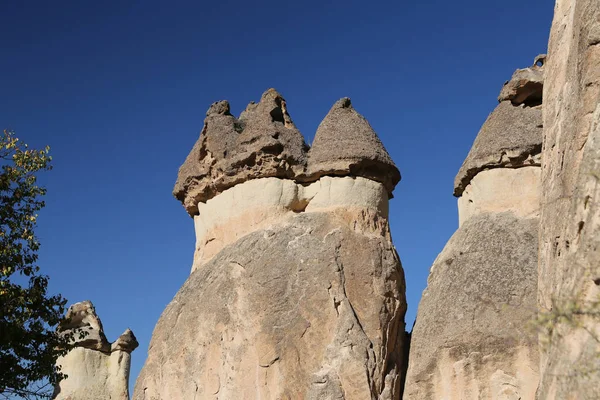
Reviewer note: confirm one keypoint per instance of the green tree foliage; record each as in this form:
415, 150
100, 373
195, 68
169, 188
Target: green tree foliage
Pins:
29, 344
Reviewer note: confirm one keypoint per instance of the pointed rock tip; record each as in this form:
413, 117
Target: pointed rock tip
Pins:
345, 144
344, 102
219, 107
126, 342
271, 94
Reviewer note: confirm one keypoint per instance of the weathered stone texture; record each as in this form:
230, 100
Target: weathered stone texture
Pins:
96, 369
470, 339
309, 307
296, 290
346, 144
569, 236
263, 142
502, 189
259, 203
509, 138
525, 86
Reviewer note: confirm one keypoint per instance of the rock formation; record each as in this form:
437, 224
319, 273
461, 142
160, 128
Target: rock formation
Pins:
96, 369
471, 338
569, 279
296, 290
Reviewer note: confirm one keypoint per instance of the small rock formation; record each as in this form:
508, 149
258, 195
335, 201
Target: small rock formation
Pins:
96, 369
569, 279
471, 338
296, 290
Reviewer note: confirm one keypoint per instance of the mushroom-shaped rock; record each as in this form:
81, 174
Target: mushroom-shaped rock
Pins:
85, 325
126, 342
525, 86
263, 142
346, 144
511, 137
95, 369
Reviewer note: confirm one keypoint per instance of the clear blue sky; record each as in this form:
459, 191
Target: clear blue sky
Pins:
119, 91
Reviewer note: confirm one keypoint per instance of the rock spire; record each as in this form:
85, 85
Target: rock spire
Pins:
96, 369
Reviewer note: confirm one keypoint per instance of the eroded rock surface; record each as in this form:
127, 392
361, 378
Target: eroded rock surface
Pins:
262, 142
511, 135
472, 337
570, 218
346, 144
296, 290
96, 369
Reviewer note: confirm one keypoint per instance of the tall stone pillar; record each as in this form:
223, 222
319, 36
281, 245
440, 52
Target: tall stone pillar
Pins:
296, 290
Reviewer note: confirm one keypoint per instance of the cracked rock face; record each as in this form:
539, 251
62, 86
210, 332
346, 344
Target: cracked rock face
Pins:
570, 217
309, 305
471, 339
96, 368
296, 290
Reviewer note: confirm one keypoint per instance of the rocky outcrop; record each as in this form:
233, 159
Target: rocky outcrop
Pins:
263, 142
569, 291
296, 290
95, 368
471, 338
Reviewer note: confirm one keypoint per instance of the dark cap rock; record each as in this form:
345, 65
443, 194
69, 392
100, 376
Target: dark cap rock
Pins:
346, 144
126, 342
526, 85
263, 142
511, 136
84, 324
82, 321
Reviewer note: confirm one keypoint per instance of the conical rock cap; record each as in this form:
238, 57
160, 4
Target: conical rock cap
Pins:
346, 144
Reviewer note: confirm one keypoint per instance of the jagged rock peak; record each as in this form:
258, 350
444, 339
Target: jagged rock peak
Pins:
346, 144
526, 85
82, 317
219, 108
262, 142
511, 136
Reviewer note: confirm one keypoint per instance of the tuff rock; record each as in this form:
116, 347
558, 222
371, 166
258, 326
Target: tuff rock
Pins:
95, 368
346, 144
511, 135
471, 339
569, 267
296, 290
